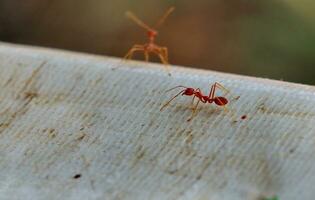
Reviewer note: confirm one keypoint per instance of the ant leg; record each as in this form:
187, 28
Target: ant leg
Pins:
130, 53
202, 100
163, 60
218, 85
134, 48
193, 99
224, 107
165, 52
169, 101
192, 102
211, 96
214, 87
146, 56
162, 56
211, 93
194, 111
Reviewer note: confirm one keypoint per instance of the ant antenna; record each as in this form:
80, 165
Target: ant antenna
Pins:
175, 88
163, 18
226, 91
134, 18
166, 104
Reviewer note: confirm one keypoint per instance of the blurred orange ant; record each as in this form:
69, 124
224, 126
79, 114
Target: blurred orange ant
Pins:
218, 100
150, 47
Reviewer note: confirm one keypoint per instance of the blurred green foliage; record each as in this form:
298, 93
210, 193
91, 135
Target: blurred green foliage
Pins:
280, 44
272, 198
264, 38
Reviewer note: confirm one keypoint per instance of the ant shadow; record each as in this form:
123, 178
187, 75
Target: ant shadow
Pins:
201, 112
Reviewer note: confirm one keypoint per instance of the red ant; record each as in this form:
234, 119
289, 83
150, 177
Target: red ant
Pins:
150, 47
218, 100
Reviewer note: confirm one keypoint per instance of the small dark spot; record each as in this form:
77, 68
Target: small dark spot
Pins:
81, 137
140, 152
189, 139
140, 155
291, 150
82, 128
198, 177
30, 95
51, 133
142, 125
4, 125
77, 176
171, 172
262, 107
244, 117
236, 98
10, 79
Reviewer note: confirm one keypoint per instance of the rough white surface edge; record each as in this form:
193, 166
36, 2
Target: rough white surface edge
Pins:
63, 114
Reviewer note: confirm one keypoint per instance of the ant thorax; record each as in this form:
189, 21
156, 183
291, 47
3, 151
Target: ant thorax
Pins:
150, 47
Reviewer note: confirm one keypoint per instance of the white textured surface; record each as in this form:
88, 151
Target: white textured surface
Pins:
63, 114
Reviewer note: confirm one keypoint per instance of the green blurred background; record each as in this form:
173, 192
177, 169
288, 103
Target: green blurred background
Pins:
264, 38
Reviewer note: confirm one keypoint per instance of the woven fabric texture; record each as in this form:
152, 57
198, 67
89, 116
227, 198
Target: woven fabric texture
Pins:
77, 126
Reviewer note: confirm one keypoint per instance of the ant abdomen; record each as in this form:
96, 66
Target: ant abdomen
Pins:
220, 101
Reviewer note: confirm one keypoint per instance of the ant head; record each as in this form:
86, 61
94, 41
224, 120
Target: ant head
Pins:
189, 91
220, 101
152, 33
